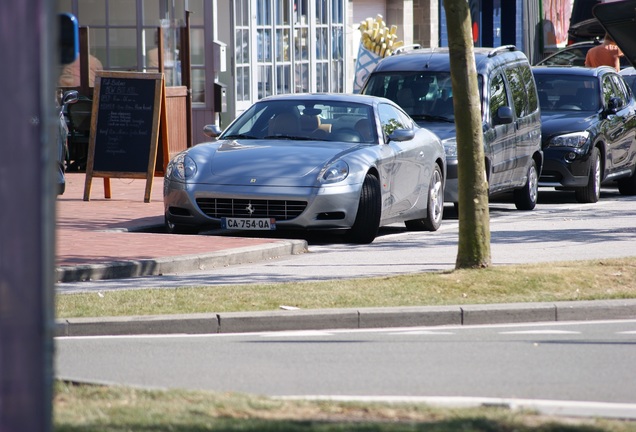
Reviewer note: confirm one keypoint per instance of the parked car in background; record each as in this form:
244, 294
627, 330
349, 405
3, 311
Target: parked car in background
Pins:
311, 161
588, 118
574, 55
629, 75
420, 82
583, 25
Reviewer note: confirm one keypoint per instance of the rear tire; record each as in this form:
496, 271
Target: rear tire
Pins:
365, 228
627, 186
435, 205
592, 192
526, 197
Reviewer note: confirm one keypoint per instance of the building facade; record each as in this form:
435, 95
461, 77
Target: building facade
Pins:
243, 50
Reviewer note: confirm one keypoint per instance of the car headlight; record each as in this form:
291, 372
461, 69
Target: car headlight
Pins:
182, 167
336, 172
576, 140
450, 147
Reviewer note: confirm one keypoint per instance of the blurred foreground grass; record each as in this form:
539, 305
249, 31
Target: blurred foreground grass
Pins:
84, 408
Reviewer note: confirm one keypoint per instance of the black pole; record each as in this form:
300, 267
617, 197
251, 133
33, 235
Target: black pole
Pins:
27, 190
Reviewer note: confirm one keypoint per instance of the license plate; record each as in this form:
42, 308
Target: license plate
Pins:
248, 223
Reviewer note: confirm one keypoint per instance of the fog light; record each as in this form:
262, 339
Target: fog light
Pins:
570, 156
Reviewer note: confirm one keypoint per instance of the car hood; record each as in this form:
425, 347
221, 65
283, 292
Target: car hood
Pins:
266, 162
617, 18
443, 130
560, 122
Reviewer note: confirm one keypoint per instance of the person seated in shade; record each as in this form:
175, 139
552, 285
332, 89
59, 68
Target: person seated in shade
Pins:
70, 76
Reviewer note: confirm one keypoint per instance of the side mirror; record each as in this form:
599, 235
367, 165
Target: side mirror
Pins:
212, 131
68, 38
504, 116
614, 105
402, 135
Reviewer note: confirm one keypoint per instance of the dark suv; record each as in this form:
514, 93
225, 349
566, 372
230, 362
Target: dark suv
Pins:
420, 82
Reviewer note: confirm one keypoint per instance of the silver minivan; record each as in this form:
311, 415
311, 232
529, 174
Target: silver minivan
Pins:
419, 81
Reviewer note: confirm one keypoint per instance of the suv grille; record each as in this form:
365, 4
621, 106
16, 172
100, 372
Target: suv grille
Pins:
228, 207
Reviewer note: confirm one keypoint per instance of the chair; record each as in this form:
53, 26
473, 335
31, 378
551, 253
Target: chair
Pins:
284, 124
79, 124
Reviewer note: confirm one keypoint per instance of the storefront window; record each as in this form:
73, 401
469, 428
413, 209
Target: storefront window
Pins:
91, 12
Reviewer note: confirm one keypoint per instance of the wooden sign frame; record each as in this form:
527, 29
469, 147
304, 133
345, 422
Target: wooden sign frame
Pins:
128, 110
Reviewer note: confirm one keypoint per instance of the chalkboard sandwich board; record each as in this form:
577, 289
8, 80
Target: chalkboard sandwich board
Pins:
125, 120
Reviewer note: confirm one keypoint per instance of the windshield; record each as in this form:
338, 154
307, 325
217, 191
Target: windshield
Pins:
423, 95
563, 92
305, 120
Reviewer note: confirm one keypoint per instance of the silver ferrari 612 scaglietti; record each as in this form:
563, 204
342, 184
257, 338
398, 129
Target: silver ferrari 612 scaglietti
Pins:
313, 162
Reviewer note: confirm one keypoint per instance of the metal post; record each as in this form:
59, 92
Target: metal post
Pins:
27, 219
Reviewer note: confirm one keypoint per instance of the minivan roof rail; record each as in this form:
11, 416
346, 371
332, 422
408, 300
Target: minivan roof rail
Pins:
406, 47
501, 49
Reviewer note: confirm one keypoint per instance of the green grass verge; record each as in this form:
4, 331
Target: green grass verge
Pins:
584, 280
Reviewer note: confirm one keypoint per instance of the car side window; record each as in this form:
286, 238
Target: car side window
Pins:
498, 95
392, 119
518, 92
608, 90
621, 89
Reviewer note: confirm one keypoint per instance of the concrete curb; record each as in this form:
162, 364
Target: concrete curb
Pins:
183, 263
329, 319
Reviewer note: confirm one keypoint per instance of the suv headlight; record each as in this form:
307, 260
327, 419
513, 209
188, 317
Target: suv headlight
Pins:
182, 167
335, 172
450, 147
575, 140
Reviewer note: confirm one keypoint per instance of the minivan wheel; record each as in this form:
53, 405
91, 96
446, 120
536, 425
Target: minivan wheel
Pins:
592, 192
435, 205
526, 197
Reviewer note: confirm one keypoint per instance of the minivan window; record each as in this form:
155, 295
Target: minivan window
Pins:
423, 95
518, 92
498, 95
531, 88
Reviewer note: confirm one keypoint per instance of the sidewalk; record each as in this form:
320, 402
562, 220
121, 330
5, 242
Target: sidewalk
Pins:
109, 238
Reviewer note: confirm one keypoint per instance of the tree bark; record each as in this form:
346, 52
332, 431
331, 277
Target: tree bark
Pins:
474, 219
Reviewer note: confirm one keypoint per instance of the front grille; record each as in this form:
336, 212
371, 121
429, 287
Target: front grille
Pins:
227, 207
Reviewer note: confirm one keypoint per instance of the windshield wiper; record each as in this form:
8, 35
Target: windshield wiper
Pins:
239, 136
429, 117
289, 137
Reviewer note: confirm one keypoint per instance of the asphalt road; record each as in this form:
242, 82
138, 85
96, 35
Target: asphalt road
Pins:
575, 368
559, 229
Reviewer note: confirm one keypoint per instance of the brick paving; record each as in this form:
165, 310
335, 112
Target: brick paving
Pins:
98, 230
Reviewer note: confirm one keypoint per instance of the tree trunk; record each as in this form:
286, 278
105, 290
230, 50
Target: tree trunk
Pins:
474, 219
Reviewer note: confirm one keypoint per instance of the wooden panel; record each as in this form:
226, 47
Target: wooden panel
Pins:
200, 118
177, 119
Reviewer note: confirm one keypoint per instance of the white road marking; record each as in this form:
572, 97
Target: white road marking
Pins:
549, 407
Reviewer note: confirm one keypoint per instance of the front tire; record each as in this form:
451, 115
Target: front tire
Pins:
435, 205
365, 228
592, 192
526, 197
173, 228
